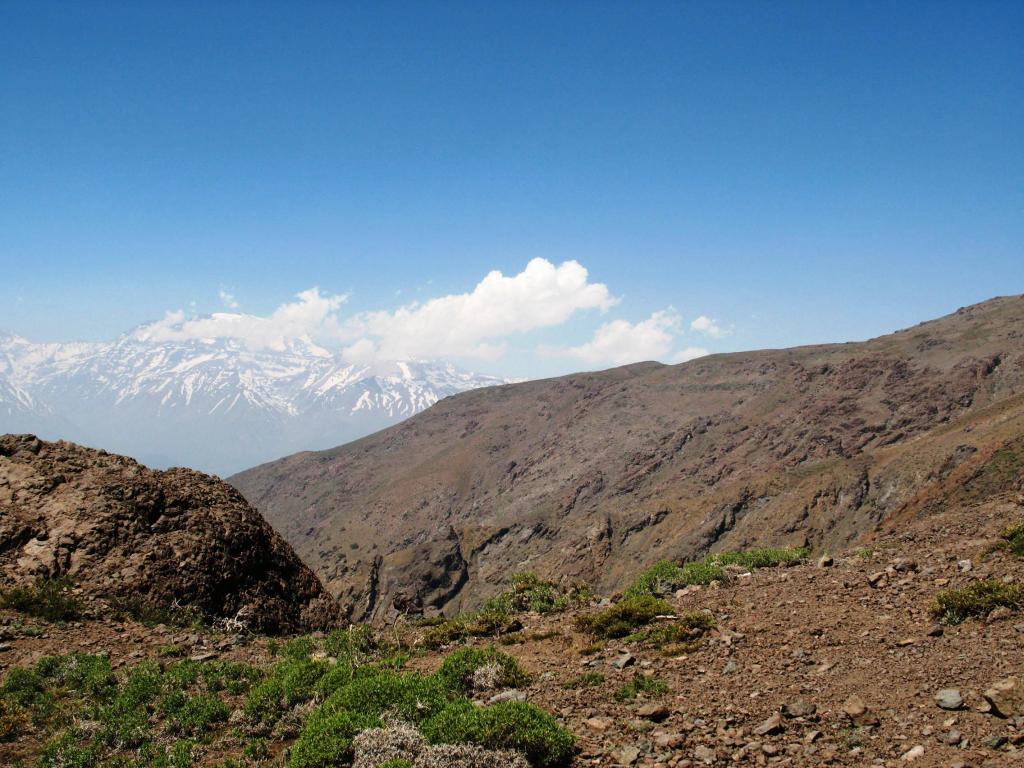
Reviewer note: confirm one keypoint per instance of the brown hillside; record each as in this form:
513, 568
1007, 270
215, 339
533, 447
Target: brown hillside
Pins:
599, 475
148, 540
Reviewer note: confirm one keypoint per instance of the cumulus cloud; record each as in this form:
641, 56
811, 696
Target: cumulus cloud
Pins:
473, 324
312, 316
227, 299
687, 354
619, 342
709, 327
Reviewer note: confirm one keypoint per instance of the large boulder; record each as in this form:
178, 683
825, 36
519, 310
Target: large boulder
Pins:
136, 536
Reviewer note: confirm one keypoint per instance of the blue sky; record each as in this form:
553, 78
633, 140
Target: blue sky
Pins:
796, 172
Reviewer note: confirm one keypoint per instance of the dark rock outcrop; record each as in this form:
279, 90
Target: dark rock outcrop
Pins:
132, 535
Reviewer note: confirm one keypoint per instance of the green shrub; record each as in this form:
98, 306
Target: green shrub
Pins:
231, 676
625, 617
507, 725
666, 576
68, 751
677, 636
978, 599
529, 592
1013, 539
762, 557
456, 672
398, 762
586, 680
150, 613
326, 739
49, 599
410, 696
197, 715
641, 684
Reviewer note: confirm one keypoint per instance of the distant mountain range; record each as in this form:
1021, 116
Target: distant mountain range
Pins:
212, 404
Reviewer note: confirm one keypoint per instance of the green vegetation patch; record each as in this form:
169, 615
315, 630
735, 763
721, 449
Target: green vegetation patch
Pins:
48, 599
461, 671
625, 617
497, 618
648, 684
586, 680
978, 599
665, 576
679, 636
1013, 539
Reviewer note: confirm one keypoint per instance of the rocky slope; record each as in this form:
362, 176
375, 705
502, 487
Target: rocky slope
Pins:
144, 539
598, 475
805, 666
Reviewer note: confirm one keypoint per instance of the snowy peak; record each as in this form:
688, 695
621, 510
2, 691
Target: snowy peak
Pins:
158, 399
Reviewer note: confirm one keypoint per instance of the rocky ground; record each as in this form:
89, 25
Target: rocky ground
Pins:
833, 662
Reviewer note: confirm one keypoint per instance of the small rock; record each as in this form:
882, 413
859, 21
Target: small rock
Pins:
623, 661
203, 656
655, 712
904, 565
772, 725
858, 712
704, 754
668, 740
600, 724
949, 698
951, 737
627, 755
826, 561
998, 614
512, 694
913, 753
995, 741
731, 667
964, 565
936, 630
799, 708
1006, 697
876, 579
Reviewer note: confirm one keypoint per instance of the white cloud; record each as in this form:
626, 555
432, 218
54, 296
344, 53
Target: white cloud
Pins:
709, 327
690, 353
313, 317
473, 324
227, 299
619, 342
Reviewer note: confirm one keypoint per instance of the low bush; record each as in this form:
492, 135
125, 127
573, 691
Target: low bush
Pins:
978, 599
586, 680
48, 599
529, 592
1013, 539
508, 725
679, 636
625, 617
665, 576
641, 684
459, 669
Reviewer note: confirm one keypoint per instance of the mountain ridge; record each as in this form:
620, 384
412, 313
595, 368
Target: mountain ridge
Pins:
597, 475
212, 404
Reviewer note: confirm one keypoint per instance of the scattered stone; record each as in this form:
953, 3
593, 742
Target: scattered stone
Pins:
876, 579
627, 755
951, 737
704, 754
964, 565
998, 614
772, 725
600, 724
731, 667
826, 561
949, 698
913, 753
936, 630
655, 712
799, 708
1006, 697
625, 660
512, 694
995, 741
858, 712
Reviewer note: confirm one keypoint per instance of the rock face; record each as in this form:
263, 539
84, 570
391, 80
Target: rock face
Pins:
126, 533
597, 476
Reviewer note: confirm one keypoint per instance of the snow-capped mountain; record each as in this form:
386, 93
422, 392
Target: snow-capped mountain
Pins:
212, 404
